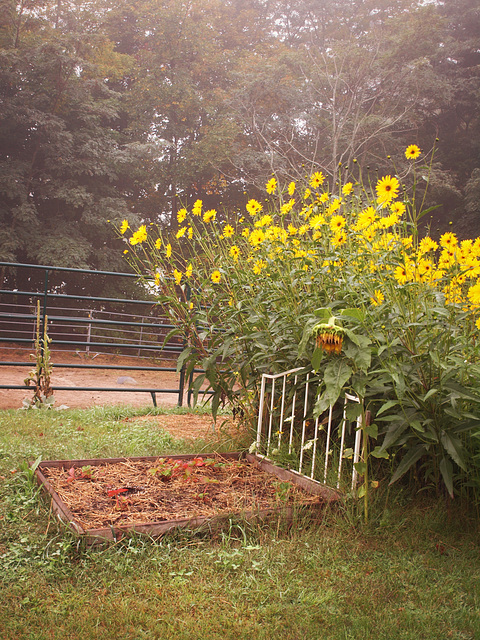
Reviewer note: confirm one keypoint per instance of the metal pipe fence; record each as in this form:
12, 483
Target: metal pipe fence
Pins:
84, 324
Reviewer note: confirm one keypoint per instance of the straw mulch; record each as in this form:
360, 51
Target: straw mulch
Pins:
135, 492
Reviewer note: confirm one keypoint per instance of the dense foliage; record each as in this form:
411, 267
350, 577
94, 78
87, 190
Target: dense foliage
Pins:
395, 315
112, 109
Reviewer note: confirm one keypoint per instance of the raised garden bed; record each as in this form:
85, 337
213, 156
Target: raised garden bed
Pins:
102, 499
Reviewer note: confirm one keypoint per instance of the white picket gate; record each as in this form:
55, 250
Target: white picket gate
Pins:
284, 429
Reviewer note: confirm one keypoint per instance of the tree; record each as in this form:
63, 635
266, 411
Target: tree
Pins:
68, 167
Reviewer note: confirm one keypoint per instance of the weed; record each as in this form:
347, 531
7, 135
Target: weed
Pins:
40, 376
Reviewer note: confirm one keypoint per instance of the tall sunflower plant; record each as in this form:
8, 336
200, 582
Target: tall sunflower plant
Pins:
249, 294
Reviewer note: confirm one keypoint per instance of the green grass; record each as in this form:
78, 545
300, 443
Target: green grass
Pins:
413, 573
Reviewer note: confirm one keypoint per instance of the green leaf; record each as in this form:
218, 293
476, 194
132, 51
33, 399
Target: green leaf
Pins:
446, 470
215, 405
35, 464
323, 313
429, 394
196, 385
226, 346
371, 431
360, 467
307, 334
386, 406
358, 339
321, 404
378, 452
410, 458
454, 448
362, 491
394, 432
430, 209
353, 411
337, 373
417, 425
357, 314
361, 356
183, 357
461, 391
317, 359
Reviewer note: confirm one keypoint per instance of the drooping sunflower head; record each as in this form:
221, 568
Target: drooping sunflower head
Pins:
329, 337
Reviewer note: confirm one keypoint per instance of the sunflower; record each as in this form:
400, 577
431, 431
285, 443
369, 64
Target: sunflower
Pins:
333, 206
181, 215
209, 215
347, 188
387, 189
181, 232
377, 298
197, 208
253, 207
216, 276
317, 221
124, 226
329, 337
256, 237
234, 252
412, 152
365, 218
177, 275
189, 270
265, 221
337, 223
398, 207
271, 186
339, 238
426, 245
448, 240
228, 231
139, 236
287, 207
317, 179
474, 294
291, 188
400, 274
425, 269
168, 250
158, 243
258, 266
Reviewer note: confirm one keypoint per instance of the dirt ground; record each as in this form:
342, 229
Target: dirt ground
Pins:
189, 425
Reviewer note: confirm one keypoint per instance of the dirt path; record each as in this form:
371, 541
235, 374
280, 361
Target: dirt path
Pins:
189, 425
111, 378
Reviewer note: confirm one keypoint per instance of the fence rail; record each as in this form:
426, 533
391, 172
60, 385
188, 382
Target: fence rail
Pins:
290, 434
93, 323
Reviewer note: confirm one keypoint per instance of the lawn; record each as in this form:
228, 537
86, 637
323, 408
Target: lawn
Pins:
414, 572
